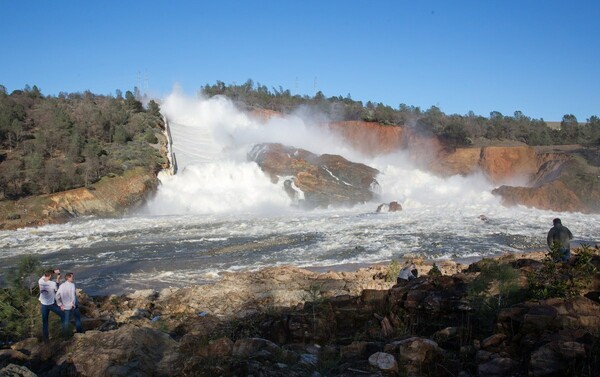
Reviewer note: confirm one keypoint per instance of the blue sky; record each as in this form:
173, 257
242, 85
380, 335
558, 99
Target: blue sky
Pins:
539, 57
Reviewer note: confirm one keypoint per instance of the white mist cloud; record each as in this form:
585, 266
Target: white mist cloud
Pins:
211, 139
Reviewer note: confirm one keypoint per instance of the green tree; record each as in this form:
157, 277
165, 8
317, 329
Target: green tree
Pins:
569, 128
455, 135
593, 130
132, 104
154, 108
19, 307
121, 136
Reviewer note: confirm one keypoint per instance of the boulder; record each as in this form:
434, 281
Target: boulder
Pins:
497, 367
322, 180
8, 356
251, 347
550, 315
415, 353
554, 359
217, 349
493, 341
562, 183
391, 207
239, 294
126, 351
12, 370
384, 361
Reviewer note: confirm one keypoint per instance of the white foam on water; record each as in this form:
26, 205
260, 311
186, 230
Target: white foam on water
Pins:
219, 199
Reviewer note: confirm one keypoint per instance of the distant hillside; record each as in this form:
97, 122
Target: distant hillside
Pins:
50, 144
452, 129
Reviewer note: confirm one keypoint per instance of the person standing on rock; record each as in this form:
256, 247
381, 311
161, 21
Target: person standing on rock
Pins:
560, 237
48, 290
66, 298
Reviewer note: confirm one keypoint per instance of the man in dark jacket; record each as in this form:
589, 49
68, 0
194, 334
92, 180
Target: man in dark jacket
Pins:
560, 236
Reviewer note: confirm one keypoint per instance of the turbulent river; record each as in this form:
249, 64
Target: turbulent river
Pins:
221, 213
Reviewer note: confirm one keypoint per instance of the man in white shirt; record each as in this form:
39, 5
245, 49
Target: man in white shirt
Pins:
48, 289
66, 298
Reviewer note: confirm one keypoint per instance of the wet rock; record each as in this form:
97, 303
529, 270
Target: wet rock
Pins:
384, 361
323, 179
391, 207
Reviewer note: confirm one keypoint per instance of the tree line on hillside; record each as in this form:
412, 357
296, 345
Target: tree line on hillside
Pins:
455, 130
55, 143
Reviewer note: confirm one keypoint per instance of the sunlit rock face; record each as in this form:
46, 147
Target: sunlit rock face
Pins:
561, 184
316, 180
371, 138
498, 164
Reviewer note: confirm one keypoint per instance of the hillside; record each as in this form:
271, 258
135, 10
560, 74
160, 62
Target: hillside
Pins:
57, 153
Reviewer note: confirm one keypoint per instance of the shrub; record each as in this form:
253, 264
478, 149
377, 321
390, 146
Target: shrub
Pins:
495, 288
393, 271
434, 271
19, 307
557, 279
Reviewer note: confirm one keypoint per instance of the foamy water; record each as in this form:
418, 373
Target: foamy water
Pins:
221, 213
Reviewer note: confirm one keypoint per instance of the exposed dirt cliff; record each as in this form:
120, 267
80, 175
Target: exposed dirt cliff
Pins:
565, 178
111, 196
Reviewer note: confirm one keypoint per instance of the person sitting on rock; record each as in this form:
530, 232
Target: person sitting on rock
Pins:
408, 273
560, 237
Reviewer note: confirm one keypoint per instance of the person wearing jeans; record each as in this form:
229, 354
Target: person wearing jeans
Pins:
66, 298
48, 290
560, 237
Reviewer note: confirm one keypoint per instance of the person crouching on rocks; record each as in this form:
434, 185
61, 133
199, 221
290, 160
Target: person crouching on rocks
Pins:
408, 273
48, 290
560, 237
66, 298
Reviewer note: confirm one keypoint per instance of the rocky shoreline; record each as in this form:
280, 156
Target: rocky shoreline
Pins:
287, 321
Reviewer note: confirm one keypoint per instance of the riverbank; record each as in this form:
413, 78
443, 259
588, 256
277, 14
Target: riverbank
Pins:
287, 321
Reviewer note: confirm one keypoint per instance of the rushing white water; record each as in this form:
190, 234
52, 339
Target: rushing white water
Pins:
222, 213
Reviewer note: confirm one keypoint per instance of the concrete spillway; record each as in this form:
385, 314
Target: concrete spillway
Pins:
189, 145
192, 145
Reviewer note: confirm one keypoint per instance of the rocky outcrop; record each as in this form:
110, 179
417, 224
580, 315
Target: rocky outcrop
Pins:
345, 324
126, 351
391, 207
12, 370
111, 196
316, 181
547, 178
241, 294
562, 183
499, 164
371, 138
